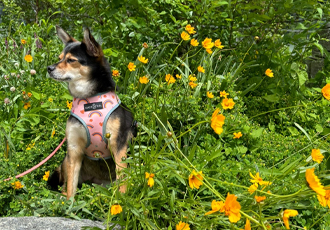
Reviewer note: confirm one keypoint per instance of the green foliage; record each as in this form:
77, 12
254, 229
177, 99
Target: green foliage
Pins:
281, 118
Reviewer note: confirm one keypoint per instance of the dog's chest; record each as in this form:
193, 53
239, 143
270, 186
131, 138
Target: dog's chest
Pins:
93, 113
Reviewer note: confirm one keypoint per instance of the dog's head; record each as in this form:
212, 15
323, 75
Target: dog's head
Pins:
82, 65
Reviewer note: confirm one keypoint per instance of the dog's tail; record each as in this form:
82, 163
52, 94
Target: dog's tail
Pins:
56, 179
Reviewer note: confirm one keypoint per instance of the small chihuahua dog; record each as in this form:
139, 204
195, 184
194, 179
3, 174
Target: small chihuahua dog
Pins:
100, 126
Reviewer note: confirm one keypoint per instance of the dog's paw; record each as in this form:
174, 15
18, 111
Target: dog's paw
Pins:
123, 188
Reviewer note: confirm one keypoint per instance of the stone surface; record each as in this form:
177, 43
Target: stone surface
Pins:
48, 223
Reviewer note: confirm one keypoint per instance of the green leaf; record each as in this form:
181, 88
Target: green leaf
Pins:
218, 3
320, 12
215, 154
319, 128
192, 152
271, 126
293, 131
299, 127
257, 133
35, 95
242, 149
302, 77
272, 98
319, 46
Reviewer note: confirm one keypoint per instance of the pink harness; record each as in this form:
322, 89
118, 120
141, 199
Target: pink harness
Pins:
93, 113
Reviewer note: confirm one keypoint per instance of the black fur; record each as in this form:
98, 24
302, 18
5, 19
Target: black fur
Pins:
89, 54
54, 181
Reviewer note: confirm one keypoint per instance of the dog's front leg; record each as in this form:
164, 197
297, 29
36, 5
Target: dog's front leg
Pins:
73, 161
119, 156
77, 138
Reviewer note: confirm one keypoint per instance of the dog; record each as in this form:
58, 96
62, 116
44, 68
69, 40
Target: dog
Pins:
99, 127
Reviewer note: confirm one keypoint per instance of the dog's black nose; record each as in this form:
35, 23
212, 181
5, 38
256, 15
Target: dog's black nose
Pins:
50, 68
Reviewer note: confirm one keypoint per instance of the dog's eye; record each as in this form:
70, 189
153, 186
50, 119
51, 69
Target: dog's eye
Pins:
69, 60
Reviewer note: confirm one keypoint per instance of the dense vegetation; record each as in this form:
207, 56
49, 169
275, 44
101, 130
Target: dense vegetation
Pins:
234, 117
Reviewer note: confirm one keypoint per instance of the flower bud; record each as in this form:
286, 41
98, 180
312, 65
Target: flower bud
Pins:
33, 72
12, 89
7, 101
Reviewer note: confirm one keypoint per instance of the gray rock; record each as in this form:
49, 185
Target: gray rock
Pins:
48, 223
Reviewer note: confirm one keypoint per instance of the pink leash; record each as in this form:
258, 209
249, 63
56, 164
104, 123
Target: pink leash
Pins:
41, 163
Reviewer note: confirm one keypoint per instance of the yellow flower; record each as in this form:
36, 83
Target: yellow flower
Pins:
314, 182
201, 69
115, 209
317, 155
50, 99
23, 41
192, 84
178, 76
169, 79
17, 185
286, 214
237, 135
69, 104
259, 198
217, 121
195, 179
28, 58
144, 80
150, 177
53, 133
46, 176
258, 180
253, 188
209, 51
324, 200
209, 94
194, 42
143, 60
182, 226
115, 73
185, 36
131, 66
216, 207
29, 94
232, 208
247, 225
27, 105
192, 78
217, 43
224, 94
190, 29
269, 73
227, 103
207, 43
326, 91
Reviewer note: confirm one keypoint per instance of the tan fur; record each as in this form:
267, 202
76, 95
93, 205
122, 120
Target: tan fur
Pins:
76, 168
119, 154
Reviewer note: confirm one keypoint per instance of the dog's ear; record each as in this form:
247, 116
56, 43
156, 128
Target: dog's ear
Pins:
92, 47
64, 36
